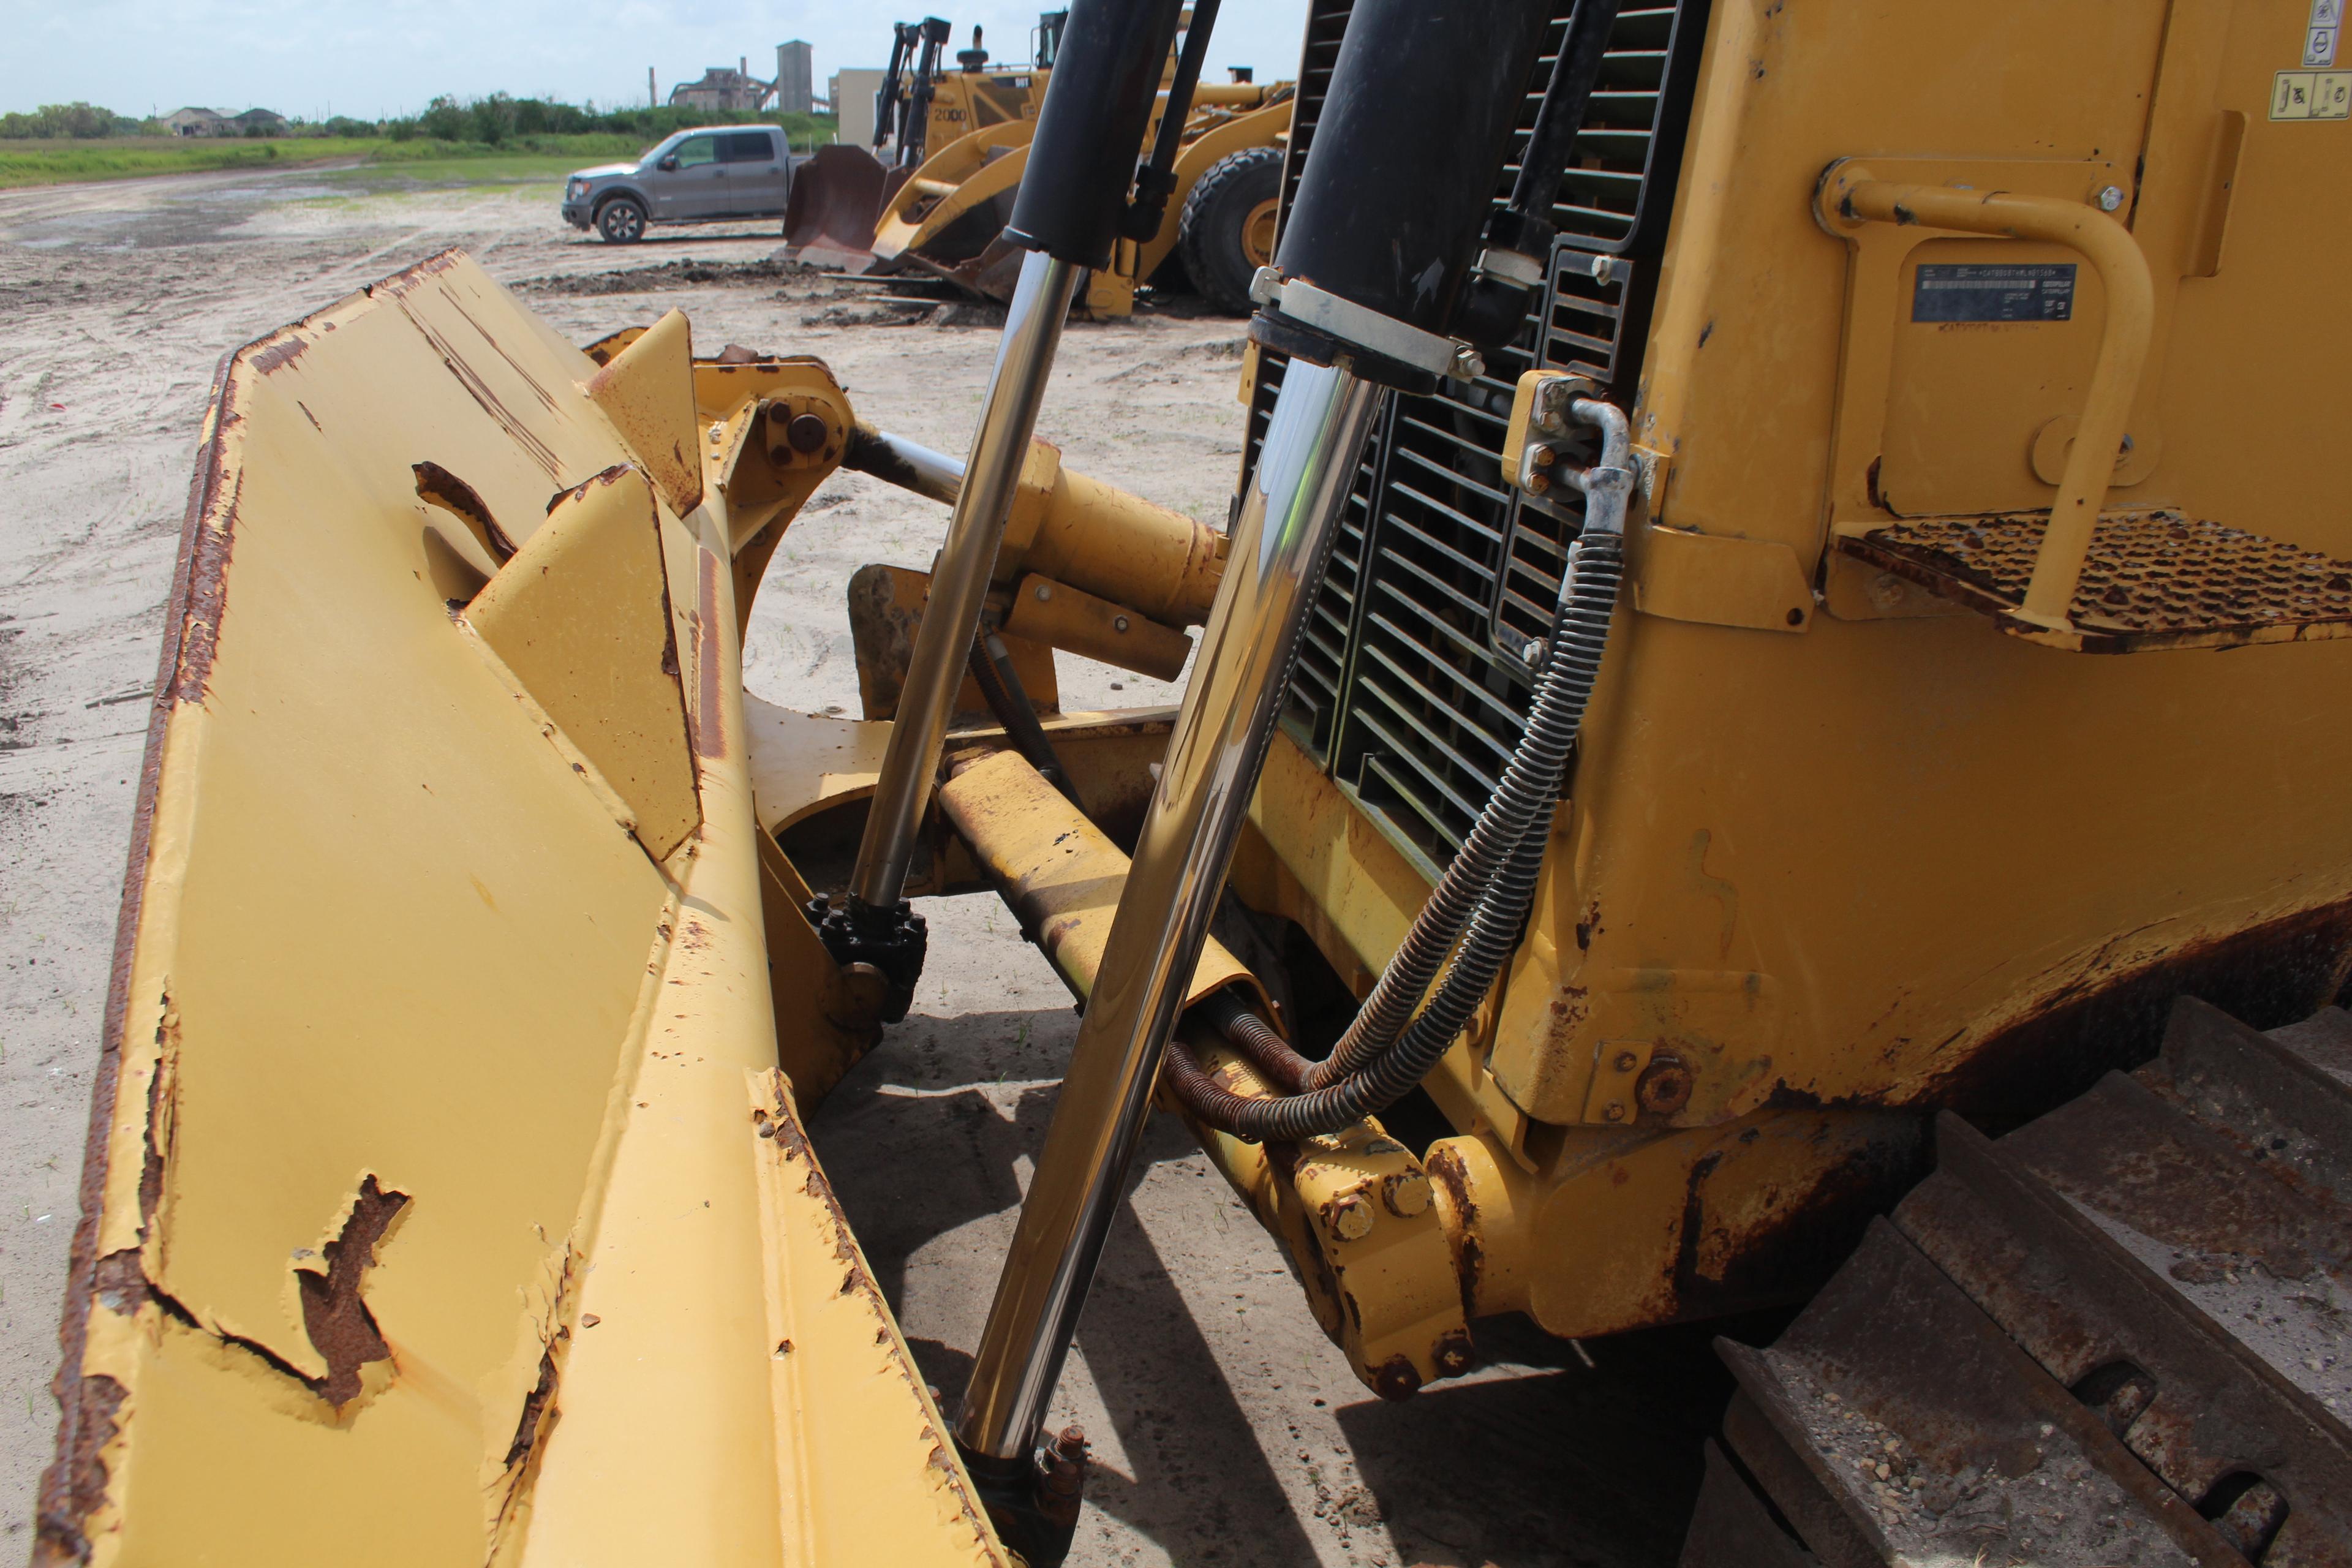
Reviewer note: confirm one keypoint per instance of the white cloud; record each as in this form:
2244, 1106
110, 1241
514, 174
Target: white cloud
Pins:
377, 58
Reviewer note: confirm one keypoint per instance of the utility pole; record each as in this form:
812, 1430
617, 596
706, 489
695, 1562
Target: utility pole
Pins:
651, 101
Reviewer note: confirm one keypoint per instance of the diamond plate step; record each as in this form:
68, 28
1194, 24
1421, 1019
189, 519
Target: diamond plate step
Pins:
2152, 580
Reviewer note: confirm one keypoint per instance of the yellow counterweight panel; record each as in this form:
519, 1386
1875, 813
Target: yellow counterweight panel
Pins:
440, 1153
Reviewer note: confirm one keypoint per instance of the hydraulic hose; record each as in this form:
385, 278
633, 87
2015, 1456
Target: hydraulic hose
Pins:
1328, 1095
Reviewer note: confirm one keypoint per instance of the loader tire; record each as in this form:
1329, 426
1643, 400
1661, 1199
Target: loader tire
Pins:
621, 221
2117, 1335
1226, 232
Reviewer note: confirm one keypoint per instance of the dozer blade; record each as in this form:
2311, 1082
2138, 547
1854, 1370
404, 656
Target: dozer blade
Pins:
444, 1201
835, 198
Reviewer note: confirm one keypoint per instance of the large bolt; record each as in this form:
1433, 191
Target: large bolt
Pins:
1396, 1378
1406, 1193
2110, 198
1664, 1086
806, 432
1347, 1216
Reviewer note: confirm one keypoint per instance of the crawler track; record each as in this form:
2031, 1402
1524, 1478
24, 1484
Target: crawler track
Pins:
2116, 1336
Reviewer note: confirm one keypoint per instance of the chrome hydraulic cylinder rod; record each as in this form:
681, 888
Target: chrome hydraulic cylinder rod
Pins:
1281, 540
983, 500
906, 464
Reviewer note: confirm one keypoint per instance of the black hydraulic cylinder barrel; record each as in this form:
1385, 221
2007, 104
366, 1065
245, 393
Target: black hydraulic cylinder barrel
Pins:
1413, 132
1090, 131
1561, 114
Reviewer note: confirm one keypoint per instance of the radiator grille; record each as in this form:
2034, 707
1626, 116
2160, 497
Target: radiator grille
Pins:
1411, 687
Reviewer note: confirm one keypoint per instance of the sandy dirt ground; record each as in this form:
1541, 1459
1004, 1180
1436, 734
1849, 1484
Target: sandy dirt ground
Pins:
1228, 1429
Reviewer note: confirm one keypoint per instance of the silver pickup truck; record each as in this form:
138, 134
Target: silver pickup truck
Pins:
712, 174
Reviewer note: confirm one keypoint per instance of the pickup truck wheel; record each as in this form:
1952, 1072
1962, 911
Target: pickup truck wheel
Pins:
621, 221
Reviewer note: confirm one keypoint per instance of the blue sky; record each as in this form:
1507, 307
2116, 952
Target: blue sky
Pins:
377, 58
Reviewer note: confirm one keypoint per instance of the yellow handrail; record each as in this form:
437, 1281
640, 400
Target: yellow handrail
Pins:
2114, 376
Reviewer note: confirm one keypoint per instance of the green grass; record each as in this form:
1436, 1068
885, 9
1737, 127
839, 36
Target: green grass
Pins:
422, 159
115, 158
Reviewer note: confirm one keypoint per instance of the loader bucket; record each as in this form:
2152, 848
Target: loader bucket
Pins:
835, 199
445, 1201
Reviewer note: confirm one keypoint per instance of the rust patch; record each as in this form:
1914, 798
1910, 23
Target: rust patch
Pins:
157, 1142
199, 591
601, 476
535, 1407
2267, 975
445, 489
2148, 581
1807, 1238
1445, 1168
710, 718
278, 351
94, 1406
87, 1406
400, 285
341, 1327
1396, 1379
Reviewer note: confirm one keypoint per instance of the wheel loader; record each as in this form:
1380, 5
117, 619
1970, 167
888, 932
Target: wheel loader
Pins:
1766, 727
918, 107
941, 209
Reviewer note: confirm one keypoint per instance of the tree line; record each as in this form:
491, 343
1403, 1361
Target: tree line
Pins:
492, 121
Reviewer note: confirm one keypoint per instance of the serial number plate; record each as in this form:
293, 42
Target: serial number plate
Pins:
2034, 291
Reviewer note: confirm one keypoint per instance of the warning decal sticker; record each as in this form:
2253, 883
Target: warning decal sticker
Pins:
2033, 291
2311, 95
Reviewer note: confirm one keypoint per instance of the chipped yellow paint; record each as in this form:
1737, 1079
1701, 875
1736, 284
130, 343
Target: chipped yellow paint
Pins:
425, 1187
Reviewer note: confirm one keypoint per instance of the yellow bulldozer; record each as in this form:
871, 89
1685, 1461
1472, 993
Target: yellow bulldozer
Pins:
1767, 728
940, 208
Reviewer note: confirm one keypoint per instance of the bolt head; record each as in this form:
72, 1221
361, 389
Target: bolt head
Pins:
1532, 655
1118, 623
1665, 1087
1539, 482
1045, 592
1351, 1217
1626, 1061
1616, 1111
806, 432
1406, 1194
1468, 364
2110, 198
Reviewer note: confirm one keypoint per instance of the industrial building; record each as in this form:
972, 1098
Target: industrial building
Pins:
735, 90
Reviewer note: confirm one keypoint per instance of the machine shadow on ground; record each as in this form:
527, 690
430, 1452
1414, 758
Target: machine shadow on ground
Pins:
1539, 1462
